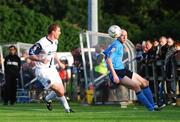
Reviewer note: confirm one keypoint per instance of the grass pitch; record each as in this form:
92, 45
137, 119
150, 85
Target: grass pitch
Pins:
37, 112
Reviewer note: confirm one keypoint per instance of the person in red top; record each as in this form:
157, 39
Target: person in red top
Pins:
63, 73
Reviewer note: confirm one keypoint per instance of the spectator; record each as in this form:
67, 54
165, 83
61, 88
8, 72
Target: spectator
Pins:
148, 55
176, 57
139, 53
78, 70
163, 47
160, 71
139, 50
144, 47
168, 57
156, 47
168, 69
28, 69
177, 48
150, 51
101, 69
12, 65
63, 73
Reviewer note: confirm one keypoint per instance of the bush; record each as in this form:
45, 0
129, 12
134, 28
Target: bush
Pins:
19, 24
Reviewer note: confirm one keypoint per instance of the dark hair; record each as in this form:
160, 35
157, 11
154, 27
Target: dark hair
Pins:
12, 46
149, 41
52, 27
177, 43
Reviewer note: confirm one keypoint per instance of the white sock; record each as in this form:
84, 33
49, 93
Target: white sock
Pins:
50, 96
64, 102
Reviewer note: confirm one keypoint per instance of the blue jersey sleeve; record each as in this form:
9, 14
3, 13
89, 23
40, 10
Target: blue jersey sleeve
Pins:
108, 51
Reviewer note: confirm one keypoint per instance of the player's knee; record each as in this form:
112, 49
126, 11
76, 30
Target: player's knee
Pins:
145, 83
61, 93
136, 87
58, 89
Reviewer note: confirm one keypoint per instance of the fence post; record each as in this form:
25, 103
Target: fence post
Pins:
155, 81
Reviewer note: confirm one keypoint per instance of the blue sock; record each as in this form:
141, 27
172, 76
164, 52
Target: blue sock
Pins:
147, 92
142, 99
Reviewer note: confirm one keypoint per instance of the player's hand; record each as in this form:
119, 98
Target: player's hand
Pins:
45, 61
116, 79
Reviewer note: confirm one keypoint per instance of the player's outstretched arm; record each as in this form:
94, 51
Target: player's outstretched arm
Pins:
111, 68
59, 62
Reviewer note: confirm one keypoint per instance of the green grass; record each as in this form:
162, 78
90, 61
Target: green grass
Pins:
37, 112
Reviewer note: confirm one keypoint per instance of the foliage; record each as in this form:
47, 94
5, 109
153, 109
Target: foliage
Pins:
144, 19
21, 24
153, 18
168, 28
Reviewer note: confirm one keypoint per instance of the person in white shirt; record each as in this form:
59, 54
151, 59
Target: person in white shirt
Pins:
44, 54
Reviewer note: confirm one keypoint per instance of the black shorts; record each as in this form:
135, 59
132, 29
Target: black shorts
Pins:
124, 72
121, 73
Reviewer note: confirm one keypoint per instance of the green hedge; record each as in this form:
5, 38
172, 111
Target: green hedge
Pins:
18, 23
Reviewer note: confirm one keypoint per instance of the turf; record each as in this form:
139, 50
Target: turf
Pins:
37, 112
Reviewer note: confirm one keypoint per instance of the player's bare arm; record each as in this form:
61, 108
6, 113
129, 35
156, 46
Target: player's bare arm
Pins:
39, 59
59, 62
110, 65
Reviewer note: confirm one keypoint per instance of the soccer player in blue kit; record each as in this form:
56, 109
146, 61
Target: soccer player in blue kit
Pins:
119, 75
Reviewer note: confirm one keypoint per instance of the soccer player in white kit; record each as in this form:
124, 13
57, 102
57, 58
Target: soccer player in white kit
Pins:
44, 54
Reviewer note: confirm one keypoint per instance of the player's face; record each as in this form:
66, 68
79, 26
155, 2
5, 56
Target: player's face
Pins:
57, 33
123, 36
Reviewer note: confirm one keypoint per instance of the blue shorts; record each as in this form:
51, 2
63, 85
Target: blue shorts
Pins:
121, 73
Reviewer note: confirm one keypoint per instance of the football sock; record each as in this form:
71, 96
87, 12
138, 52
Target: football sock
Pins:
147, 92
64, 102
142, 99
50, 96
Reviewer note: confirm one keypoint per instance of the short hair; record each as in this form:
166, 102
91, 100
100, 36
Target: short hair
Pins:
162, 37
12, 46
53, 27
177, 43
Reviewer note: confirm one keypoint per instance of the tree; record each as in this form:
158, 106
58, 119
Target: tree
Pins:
139, 17
21, 24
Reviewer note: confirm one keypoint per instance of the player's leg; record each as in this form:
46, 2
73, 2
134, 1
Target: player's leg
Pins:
143, 82
57, 86
59, 90
126, 81
48, 100
50, 79
145, 87
50, 96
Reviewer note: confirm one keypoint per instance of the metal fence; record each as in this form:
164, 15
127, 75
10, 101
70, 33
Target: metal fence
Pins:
165, 89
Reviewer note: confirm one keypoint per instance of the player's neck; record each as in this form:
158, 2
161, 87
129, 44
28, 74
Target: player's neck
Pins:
51, 37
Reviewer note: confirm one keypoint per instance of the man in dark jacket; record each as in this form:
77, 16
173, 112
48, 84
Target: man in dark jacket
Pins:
12, 65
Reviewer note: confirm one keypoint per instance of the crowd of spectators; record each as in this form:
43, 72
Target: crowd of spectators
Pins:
158, 61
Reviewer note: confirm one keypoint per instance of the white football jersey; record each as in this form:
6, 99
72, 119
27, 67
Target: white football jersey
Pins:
44, 48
